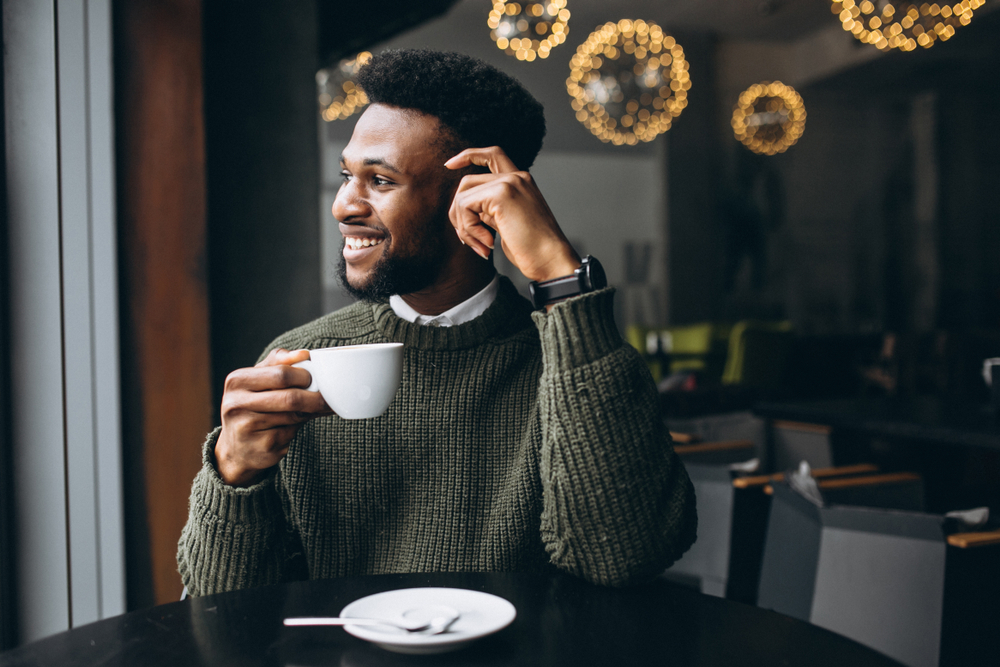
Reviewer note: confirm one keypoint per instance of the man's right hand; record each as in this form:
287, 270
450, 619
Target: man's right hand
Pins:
262, 408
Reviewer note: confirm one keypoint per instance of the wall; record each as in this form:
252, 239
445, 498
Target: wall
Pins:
695, 231
969, 232
832, 259
882, 216
262, 176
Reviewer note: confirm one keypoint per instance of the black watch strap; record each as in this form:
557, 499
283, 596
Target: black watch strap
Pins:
588, 278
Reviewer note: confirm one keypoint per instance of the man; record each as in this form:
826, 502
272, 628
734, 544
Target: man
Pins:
518, 440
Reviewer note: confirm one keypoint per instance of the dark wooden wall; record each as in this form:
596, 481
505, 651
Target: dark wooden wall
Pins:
167, 402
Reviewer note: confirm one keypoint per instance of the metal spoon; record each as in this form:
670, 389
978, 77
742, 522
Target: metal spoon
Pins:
434, 626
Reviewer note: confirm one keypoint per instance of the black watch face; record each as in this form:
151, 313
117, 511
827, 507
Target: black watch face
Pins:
595, 274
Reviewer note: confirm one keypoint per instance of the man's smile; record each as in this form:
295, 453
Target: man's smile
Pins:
360, 241
361, 248
356, 242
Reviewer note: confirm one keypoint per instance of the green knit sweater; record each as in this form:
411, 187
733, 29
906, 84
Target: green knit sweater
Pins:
517, 441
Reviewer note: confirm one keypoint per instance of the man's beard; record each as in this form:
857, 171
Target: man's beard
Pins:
399, 275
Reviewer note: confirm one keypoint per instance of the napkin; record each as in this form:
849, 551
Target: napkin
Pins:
746, 466
987, 365
970, 519
803, 482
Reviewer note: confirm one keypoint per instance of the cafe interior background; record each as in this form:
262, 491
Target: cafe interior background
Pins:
170, 167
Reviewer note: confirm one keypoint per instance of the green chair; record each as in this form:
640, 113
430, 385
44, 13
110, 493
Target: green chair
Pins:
758, 354
700, 347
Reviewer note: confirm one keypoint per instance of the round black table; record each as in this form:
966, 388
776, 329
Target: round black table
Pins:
560, 620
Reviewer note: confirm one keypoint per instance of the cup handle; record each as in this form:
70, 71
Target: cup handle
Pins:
308, 365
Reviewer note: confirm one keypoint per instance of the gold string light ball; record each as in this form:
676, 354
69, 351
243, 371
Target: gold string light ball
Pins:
628, 82
769, 117
896, 24
530, 30
339, 98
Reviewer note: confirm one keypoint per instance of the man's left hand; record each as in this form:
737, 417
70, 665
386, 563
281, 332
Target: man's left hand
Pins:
508, 201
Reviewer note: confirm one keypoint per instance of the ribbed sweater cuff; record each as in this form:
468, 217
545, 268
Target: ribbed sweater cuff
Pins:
230, 504
578, 331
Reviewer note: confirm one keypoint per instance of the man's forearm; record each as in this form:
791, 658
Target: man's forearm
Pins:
618, 503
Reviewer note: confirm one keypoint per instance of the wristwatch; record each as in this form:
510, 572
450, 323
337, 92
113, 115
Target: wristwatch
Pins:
588, 278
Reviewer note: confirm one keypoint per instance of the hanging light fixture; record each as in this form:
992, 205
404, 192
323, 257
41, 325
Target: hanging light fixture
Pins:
628, 82
769, 117
530, 30
898, 24
339, 98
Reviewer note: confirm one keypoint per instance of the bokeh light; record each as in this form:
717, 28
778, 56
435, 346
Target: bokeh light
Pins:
769, 117
339, 98
896, 24
628, 82
530, 30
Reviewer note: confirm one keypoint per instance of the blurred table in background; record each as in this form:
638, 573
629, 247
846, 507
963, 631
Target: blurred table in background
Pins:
919, 419
956, 446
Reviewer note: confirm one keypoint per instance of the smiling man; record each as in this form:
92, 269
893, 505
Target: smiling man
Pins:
523, 436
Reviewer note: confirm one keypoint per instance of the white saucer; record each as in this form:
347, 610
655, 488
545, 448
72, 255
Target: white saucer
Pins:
481, 614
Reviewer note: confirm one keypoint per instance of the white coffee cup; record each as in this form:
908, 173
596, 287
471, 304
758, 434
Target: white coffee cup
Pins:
356, 381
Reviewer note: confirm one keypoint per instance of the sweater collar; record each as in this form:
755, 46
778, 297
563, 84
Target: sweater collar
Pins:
508, 313
464, 312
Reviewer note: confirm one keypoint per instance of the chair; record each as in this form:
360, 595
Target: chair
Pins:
758, 354
717, 453
706, 563
693, 347
732, 519
792, 442
896, 490
874, 574
740, 425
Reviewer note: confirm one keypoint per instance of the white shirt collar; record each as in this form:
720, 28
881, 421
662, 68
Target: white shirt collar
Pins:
464, 312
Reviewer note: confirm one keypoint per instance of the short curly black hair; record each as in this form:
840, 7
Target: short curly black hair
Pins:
481, 105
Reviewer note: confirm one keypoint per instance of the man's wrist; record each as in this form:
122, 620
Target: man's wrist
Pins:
560, 270
231, 472
562, 265
588, 277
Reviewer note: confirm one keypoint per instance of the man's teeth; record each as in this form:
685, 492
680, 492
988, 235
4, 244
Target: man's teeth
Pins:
356, 243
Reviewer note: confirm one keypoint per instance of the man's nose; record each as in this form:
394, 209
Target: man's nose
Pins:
349, 205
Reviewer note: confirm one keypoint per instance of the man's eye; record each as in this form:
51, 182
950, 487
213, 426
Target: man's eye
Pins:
379, 181
346, 176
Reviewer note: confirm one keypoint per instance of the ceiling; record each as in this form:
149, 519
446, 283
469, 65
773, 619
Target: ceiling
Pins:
769, 20
347, 27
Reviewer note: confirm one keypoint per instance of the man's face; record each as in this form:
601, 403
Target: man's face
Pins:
393, 204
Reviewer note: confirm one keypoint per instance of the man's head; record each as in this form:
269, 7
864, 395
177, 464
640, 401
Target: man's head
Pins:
476, 103
426, 107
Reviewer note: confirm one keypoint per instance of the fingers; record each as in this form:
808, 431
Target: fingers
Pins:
257, 428
281, 356
262, 422
476, 236
469, 218
478, 206
267, 378
262, 408
280, 401
492, 157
